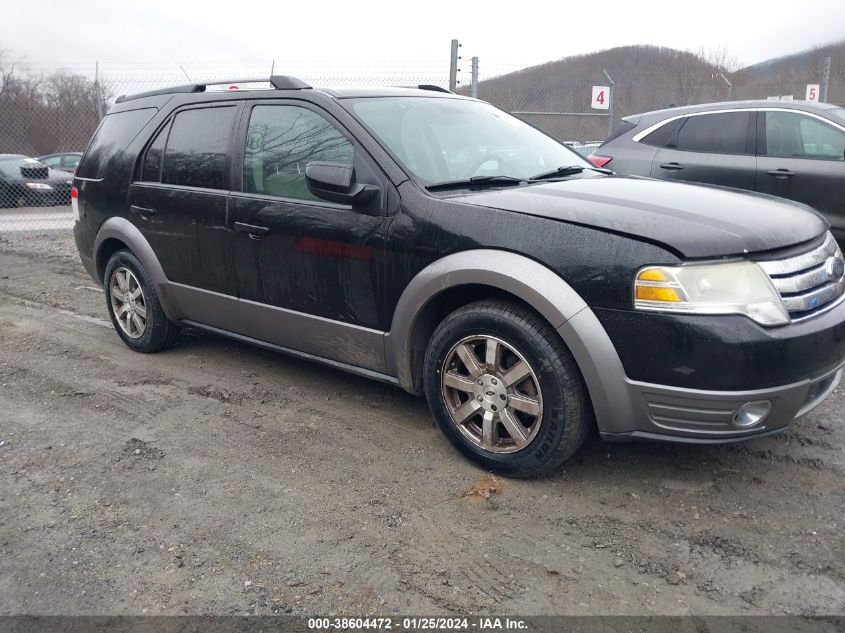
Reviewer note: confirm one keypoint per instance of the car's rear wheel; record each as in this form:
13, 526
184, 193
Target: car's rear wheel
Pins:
134, 307
505, 390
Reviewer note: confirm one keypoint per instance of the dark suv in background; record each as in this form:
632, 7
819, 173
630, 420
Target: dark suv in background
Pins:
435, 243
791, 149
26, 182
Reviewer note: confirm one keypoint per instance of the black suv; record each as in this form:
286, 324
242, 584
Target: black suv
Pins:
791, 149
436, 243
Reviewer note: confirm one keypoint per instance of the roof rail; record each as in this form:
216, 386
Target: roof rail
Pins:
286, 82
434, 88
279, 82
162, 91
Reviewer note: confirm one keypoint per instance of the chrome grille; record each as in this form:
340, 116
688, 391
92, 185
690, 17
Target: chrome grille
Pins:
810, 282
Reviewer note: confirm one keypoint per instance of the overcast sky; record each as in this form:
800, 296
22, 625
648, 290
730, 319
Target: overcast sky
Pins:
413, 35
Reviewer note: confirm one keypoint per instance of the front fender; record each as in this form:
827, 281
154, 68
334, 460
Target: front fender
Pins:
542, 289
122, 229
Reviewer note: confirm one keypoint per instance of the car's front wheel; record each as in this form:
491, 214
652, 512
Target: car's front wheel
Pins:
505, 390
134, 307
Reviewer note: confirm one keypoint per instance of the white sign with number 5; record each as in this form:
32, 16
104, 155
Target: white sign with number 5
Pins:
601, 98
812, 93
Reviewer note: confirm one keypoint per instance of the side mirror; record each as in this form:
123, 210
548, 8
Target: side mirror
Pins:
335, 182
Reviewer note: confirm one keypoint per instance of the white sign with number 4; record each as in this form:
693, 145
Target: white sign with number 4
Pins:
601, 98
812, 93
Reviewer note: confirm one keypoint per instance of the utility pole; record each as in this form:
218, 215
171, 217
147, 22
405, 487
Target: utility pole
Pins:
473, 90
825, 79
97, 94
453, 66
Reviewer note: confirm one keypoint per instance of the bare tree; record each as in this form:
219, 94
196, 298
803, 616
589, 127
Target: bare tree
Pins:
44, 114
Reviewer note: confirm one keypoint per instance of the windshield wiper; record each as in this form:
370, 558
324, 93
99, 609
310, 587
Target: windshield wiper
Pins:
475, 181
568, 170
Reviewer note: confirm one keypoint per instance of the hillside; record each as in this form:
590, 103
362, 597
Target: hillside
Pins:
649, 78
799, 65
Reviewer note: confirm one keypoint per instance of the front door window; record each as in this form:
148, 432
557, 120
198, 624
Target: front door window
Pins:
793, 135
281, 141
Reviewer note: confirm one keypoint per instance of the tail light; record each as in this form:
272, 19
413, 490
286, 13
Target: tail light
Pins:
599, 161
74, 202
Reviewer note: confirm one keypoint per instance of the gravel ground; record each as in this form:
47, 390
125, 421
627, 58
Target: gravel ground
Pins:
217, 478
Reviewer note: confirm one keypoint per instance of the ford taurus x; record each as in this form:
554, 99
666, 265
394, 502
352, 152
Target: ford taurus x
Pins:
436, 243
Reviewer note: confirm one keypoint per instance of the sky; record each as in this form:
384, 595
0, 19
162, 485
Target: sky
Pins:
413, 36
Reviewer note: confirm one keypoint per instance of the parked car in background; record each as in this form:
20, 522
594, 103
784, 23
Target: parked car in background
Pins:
436, 243
790, 149
25, 182
66, 161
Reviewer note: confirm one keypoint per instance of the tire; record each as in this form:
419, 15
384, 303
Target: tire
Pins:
158, 332
549, 403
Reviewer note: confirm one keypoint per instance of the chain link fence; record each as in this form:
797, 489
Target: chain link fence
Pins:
48, 113
563, 109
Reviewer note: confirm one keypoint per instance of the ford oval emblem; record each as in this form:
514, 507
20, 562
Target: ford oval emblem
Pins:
835, 268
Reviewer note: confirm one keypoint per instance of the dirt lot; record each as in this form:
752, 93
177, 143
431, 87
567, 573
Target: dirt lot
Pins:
219, 478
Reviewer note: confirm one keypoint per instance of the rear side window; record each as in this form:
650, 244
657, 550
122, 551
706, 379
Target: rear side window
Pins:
113, 136
723, 133
196, 148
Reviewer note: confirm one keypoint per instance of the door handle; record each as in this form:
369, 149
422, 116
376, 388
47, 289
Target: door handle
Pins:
781, 174
254, 231
144, 212
671, 166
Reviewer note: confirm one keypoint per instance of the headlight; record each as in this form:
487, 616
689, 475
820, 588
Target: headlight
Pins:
40, 186
731, 288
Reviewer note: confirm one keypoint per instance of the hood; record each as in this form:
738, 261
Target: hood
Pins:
693, 220
38, 173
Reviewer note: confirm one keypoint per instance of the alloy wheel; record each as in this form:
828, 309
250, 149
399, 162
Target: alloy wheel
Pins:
492, 394
128, 302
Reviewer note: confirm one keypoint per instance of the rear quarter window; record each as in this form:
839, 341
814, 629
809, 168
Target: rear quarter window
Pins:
113, 136
665, 135
624, 128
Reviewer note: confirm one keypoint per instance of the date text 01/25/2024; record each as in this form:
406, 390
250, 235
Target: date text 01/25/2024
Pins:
418, 623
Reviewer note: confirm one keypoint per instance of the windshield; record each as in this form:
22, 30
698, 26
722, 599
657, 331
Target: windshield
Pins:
442, 140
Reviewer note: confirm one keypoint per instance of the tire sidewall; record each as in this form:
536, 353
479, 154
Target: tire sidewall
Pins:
538, 353
125, 259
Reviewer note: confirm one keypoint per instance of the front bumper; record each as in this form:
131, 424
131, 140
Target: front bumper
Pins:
58, 195
676, 414
724, 353
699, 374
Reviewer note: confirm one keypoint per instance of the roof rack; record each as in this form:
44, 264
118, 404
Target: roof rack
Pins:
279, 82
